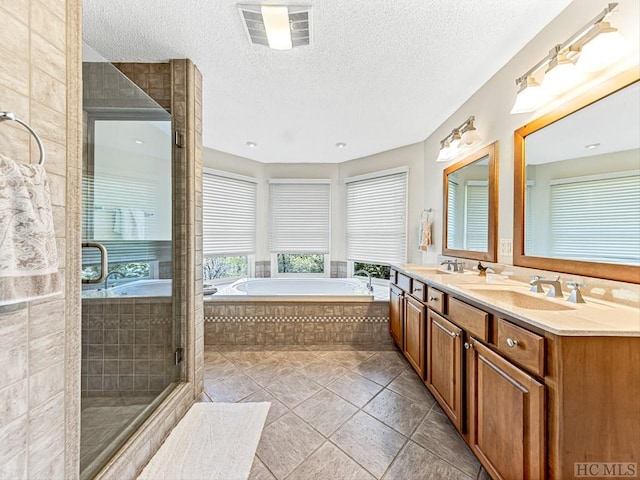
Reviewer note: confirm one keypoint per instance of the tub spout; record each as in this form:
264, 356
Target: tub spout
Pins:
369, 286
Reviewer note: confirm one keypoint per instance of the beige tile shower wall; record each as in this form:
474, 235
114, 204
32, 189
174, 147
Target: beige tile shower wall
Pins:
39, 341
126, 346
153, 78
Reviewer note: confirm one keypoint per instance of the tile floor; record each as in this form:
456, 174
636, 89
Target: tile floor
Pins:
340, 415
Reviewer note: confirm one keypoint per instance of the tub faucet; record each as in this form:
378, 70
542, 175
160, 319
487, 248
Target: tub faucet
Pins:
555, 288
369, 286
106, 280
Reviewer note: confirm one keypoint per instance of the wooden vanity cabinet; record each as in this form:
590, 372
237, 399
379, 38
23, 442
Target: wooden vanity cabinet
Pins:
414, 333
507, 417
396, 316
444, 369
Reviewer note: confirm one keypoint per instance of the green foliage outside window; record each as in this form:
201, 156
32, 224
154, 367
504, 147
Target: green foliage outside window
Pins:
129, 270
300, 263
376, 271
225, 267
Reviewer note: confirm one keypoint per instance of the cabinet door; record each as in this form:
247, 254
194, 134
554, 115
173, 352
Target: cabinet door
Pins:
396, 315
507, 417
444, 365
414, 324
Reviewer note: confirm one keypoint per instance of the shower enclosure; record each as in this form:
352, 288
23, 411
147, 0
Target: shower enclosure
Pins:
130, 334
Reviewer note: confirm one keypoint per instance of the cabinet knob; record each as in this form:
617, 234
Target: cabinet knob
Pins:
453, 334
468, 345
433, 299
512, 343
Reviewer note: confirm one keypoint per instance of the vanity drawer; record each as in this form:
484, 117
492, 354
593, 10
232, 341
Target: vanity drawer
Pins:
419, 290
436, 300
521, 346
469, 318
404, 282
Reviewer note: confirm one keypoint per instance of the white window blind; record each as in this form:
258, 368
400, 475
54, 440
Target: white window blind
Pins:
597, 219
228, 215
452, 225
300, 214
528, 219
476, 216
377, 220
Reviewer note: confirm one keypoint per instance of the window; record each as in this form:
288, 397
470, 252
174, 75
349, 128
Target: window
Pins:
299, 232
382, 272
229, 225
582, 226
377, 217
476, 235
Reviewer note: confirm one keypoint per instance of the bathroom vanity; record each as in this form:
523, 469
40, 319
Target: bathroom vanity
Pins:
536, 386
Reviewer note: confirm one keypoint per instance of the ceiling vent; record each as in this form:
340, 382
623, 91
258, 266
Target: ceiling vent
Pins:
299, 24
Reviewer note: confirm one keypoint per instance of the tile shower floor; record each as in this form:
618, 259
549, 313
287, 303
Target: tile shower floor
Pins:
102, 419
340, 415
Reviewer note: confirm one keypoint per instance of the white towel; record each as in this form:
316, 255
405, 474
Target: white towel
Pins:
28, 255
425, 235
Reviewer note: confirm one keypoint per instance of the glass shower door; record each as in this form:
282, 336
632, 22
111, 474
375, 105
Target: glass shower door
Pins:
129, 331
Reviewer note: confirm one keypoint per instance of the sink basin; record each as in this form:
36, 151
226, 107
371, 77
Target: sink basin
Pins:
521, 300
430, 270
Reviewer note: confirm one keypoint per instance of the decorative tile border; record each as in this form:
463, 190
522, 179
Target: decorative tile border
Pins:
298, 319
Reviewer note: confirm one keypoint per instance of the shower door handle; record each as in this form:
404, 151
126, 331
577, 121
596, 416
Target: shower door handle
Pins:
104, 261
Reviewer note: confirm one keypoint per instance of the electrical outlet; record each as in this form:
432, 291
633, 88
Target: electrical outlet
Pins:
506, 247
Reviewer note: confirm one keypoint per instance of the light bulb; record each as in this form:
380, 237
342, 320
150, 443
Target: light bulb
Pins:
602, 50
530, 97
455, 140
470, 137
445, 153
561, 74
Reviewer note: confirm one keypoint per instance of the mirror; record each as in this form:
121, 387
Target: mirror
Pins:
470, 206
577, 186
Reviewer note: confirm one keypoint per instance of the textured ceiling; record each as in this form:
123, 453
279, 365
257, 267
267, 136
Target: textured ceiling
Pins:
379, 74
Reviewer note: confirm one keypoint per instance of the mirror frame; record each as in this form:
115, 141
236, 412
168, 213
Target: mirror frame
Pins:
492, 228
619, 272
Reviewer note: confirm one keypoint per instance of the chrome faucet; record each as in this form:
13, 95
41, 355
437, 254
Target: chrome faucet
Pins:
575, 296
106, 280
555, 288
454, 265
369, 286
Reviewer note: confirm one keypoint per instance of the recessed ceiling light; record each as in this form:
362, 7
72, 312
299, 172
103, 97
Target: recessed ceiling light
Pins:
592, 146
252, 144
341, 144
139, 142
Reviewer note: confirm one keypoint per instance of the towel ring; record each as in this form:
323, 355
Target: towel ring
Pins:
12, 116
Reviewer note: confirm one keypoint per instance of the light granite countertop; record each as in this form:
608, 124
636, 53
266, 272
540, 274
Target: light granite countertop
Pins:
554, 315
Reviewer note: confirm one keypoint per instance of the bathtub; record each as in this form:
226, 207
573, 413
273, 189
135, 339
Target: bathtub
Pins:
298, 288
301, 312
137, 288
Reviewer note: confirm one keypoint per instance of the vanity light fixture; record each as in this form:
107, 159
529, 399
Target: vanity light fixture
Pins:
460, 138
592, 48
